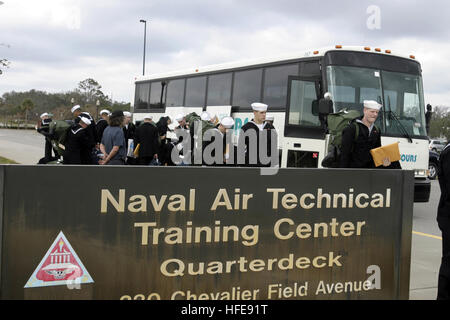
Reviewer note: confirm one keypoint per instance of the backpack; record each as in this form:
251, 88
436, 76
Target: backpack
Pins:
337, 122
192, 118
59, 129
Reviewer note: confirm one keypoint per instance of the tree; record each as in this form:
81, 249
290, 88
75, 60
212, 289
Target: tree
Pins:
440, 123
12, 104
90, 91
27, 105
4, 63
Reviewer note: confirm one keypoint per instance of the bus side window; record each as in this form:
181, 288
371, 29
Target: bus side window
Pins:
246, 88
195, 92
310, 69
141, 100
275, 85
219, 89
175, 93
157, 95
301, 103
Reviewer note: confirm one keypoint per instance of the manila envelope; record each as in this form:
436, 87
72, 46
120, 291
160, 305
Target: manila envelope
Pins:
390, 151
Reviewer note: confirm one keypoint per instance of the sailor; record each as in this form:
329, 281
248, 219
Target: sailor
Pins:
258, 125
129, 131
77, 142
218, 132
443, 219
77, 112
102, 123
45, 119
181, 131
165, 145
128, 128
229, 150
90, 154
205, 116
147, 138
356, 145
181, 119
182, 125
43, 127
44, 123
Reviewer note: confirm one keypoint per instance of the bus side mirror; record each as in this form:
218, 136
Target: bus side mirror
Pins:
325, 106
315, 107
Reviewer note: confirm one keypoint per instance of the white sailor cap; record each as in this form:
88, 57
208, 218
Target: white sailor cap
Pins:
227, 122
257, 106
75, 108
179, 117
205, 116
127, 114
105, 111
45, 114
147, 116
371, 104
269, 118
85, 120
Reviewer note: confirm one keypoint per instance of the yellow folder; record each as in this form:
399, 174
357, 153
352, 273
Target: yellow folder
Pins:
390, 151
136, 150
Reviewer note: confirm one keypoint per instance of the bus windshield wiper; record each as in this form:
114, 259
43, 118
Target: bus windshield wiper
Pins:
396, 118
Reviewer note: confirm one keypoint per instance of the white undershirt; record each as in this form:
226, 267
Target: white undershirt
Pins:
260, 126
370, 128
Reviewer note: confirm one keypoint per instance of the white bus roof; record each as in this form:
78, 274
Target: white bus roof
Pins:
239, 64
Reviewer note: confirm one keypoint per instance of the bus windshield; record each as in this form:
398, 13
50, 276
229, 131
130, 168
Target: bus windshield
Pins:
400, 94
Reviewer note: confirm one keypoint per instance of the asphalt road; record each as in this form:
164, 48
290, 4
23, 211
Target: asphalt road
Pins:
22, 146
27, 147
426, 251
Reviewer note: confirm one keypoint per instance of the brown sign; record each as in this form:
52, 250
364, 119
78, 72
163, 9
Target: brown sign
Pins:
209, 233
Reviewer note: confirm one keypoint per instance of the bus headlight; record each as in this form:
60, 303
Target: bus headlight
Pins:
420, 173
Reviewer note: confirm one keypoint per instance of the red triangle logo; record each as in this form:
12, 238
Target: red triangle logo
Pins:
60, 266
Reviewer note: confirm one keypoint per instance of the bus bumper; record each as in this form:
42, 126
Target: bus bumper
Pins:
422, 189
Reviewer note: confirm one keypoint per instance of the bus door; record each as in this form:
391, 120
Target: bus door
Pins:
304, 131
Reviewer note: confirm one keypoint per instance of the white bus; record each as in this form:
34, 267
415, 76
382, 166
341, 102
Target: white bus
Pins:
291, 86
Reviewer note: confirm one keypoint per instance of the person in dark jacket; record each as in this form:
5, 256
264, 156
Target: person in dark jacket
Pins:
259, 126
355, 151
89, 154
146, 137
129, 131
443, 219
165, 147
218, 135
102, 123
428, 115
76, 142
163, 126
43, 127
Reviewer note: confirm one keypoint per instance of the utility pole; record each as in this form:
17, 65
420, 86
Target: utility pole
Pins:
145, 39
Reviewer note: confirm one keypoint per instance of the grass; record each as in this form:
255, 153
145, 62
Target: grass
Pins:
7, 161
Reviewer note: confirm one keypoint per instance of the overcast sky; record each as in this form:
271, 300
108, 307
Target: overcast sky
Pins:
54, 44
